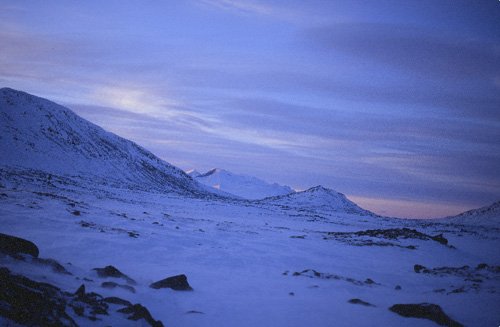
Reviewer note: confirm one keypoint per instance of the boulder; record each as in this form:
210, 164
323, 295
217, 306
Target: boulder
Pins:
117, 300
31, 303
137, 312
359, 301
110, 271
426, 311
178, 283
16, 245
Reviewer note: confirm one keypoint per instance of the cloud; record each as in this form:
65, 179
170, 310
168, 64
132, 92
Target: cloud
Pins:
420, 51
285, 11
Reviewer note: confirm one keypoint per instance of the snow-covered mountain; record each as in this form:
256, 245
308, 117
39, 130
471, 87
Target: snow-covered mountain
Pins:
247, 187
318, 198
488, 215
41, 135
113, 236
193, 173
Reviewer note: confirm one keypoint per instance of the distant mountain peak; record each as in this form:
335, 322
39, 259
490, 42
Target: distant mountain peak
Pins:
247, 187
321, 188
193, 173
318, 198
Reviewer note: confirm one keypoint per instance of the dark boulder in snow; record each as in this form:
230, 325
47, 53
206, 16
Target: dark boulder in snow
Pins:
440, 239
31, 303
419, 268
53, 264
110, 271
137, 312
117, 300
426, 311
16, 245
359, 301
177, 283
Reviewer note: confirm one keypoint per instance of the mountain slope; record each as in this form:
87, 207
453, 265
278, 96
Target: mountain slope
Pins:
318, 198
42, 135
247, 187
488, 215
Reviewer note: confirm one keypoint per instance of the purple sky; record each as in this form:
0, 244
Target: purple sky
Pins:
394, 103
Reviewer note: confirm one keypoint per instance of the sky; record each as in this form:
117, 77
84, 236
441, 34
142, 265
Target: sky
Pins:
394, 103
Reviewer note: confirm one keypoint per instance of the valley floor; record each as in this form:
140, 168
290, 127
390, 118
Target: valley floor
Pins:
254, 264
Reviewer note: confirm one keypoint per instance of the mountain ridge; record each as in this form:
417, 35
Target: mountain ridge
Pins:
318, 197
489, 214
42, 135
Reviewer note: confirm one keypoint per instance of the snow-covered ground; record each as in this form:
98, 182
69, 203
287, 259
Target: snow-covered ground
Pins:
297, 260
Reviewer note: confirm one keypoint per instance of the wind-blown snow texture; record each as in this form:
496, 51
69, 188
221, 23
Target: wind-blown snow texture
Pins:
90, 199
246, 187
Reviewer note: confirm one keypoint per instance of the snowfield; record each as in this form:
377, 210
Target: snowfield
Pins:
310, 258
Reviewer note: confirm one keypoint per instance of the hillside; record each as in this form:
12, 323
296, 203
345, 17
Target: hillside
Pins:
318, 198
41, 135
484, 216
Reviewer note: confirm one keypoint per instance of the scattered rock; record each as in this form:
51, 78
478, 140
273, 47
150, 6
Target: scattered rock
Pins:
112, 285
31, 303
311, 273
481, 266
472, 274
16, 245
291, 293
419, 268
457, 290
425, 311
194, 311
369, 281
178, 283
110, 271
359, 301
86, 224
473, 278
133, 234
137, 312
94, 302
56, 266
390, 234
440, 239
80, 292
397, 288
76, 212
117, 300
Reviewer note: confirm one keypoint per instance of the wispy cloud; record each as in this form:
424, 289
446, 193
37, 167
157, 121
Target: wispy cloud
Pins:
287, 11
319, 91
243, 6
420, 51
